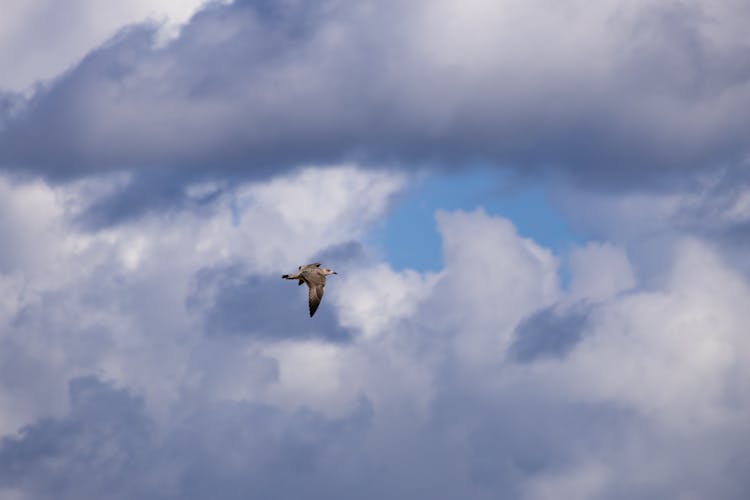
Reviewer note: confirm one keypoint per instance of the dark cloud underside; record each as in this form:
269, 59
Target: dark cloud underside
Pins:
252, 88
235, 304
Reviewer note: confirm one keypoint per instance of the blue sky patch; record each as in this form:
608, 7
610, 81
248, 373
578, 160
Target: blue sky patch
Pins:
409, 237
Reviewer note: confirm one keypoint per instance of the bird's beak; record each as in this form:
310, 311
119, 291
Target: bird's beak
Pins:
335, 272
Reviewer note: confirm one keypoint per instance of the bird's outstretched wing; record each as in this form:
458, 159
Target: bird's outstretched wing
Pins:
316, 295
316, 282
310, 266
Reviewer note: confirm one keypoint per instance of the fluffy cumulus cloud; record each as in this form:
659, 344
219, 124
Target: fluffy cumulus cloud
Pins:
163, 358
152, 194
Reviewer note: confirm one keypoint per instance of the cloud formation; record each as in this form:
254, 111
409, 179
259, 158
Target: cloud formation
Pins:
41, 31
152, 195
635, 93
487, 378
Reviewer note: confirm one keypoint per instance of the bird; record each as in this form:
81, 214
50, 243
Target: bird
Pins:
315, 277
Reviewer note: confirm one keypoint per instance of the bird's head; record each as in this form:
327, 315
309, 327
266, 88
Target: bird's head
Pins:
329, 271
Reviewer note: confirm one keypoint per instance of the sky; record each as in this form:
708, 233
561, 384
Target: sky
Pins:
539, 212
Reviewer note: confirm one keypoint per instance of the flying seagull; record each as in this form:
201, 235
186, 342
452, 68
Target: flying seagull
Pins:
315, 278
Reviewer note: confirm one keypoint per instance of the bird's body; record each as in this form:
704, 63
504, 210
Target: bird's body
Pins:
315, 278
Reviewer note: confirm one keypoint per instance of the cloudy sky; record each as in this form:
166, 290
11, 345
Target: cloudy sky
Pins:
539, 211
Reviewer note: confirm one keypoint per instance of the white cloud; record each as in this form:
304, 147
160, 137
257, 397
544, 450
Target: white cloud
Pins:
669, 353
113, 302
409, 387
599, 271
291, 218
41, 38
493, 279
651, 391
371, 300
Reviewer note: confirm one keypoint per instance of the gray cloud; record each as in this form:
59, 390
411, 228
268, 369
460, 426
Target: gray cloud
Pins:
237, 303
548, 333
145, 192
41, 32
107, 446
614, 95
407, 385
106, 432
10, 105
400, 387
